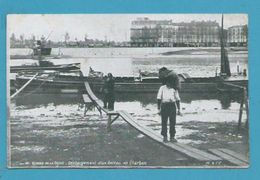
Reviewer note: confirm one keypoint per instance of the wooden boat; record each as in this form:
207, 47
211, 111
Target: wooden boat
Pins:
67, 83
62, 67
39, 49
59, 83
43, 51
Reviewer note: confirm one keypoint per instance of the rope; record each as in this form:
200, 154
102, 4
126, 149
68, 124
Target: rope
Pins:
22, 88
42, 83
234, 85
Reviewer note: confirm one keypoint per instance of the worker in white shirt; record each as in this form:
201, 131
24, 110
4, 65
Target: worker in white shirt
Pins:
168, 98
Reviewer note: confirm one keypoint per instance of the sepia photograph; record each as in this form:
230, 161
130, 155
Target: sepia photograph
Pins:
127, 91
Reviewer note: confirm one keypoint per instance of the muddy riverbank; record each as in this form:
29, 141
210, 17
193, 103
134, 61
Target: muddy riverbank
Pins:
58, 135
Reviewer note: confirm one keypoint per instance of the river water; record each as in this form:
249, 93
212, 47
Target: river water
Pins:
199, 62
29, 110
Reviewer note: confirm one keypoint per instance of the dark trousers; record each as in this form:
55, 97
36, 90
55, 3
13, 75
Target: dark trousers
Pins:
105, 101
168, 111
109, 100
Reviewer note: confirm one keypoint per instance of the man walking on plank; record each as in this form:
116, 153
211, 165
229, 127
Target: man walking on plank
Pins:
168, 98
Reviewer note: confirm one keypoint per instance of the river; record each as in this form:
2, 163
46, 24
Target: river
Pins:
202, 113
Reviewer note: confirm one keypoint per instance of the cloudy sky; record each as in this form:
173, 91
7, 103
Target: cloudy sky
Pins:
114, 27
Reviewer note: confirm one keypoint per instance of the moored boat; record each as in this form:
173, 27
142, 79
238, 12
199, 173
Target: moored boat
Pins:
61, 67
74, 83
41, 48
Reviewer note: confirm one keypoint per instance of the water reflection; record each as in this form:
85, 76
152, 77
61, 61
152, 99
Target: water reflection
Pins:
227, 98
145, 99
45, 99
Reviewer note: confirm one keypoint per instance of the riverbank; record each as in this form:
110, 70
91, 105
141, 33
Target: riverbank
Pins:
59, 137
86, 144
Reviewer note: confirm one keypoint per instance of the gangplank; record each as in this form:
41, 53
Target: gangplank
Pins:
193, 153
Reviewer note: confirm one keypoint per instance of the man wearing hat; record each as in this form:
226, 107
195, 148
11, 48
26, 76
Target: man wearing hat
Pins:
169, 103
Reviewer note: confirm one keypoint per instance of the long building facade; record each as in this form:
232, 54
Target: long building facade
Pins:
166, 33
160, 33
237, 35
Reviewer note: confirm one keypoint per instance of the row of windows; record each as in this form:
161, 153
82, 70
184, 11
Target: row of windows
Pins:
176, 29
143, 34
176, 40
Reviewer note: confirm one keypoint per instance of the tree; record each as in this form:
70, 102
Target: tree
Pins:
86, 38
33, 38
67, 37
22, 38
13, 38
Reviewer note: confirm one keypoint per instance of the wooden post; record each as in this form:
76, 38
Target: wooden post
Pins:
241, 111
85, 110
110, 120
247, 109
109, 123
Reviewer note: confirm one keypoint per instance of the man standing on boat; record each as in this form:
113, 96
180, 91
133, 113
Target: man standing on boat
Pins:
168, 101
108, 92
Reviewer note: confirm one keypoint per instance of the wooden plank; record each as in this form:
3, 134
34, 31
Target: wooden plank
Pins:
159, 139
200, 152
197, 151
228, 157
112, 113
187, 150
86, 98
234, 154
90, 92
94, 98
100, 104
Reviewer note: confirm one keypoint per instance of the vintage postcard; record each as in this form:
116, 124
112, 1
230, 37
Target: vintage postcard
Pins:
127, 90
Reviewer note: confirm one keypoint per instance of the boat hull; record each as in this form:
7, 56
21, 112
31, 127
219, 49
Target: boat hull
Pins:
44, 51
76, 85
65, 67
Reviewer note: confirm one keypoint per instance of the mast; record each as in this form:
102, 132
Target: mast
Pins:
225, 68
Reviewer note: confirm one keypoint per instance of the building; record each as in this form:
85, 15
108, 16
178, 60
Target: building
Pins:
159, 33
148, 33
237, 35
201, 33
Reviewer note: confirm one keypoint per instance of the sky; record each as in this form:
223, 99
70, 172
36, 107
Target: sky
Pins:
111, 27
